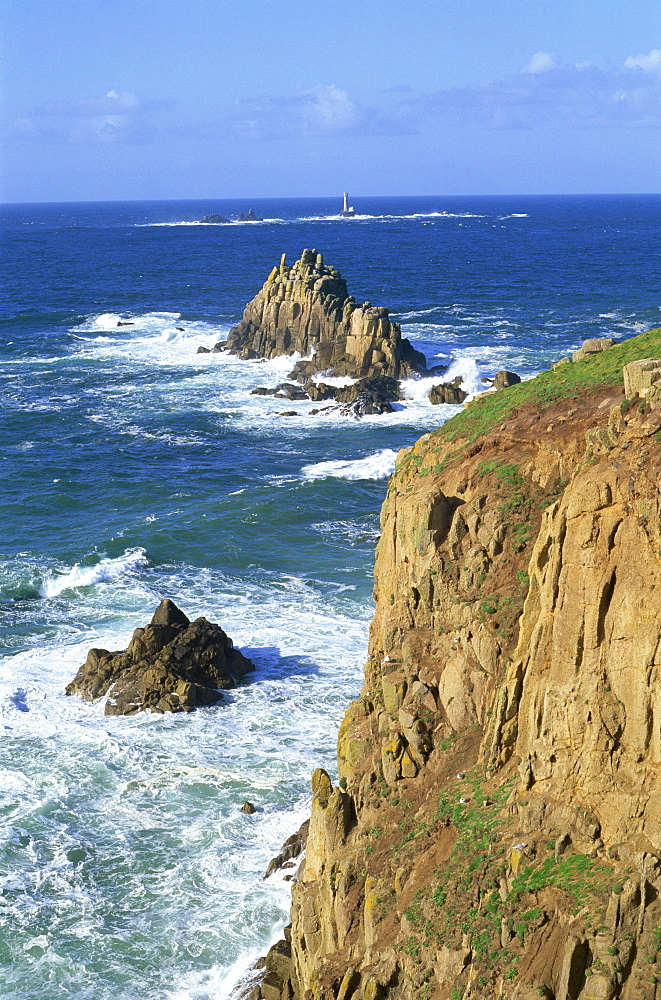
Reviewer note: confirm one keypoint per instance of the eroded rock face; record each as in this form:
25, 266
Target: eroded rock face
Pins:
305, 308
496, 831
171, 665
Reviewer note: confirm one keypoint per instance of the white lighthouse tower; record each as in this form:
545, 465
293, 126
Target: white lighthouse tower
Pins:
348, 210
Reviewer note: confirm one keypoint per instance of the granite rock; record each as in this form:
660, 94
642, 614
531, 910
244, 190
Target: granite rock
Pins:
170, 665
305, 309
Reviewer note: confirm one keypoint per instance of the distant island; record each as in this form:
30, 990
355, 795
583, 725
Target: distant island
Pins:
218, 220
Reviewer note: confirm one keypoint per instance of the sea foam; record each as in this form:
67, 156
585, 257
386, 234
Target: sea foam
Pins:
86, 576
380, 465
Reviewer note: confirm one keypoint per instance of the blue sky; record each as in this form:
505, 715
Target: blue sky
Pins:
132, 99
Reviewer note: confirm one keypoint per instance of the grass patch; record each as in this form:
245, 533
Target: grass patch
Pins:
569, 381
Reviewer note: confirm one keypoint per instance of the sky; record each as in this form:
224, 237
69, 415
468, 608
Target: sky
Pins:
162, 99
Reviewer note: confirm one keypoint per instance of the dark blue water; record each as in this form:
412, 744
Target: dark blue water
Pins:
134, 468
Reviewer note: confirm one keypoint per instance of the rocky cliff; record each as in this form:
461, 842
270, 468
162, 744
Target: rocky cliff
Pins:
496, 830
305, 309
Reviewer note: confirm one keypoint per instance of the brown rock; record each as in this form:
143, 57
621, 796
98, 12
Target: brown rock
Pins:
171, 665
448, 392
592, 346
305, 308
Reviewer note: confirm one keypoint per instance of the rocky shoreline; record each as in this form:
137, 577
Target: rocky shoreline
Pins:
496, 827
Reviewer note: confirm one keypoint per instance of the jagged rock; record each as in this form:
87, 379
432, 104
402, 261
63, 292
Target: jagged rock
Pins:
214, 218
448, 392
504, 379
248, 808
369, 396
319, 391
261, 390
379, 387
248, 216
292, 848
220, 346
288, 391
305, 309
171, 665
592, 346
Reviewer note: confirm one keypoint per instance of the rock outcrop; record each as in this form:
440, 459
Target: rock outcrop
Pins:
171, 665
448, 392
248, 216
305, 309
496, 829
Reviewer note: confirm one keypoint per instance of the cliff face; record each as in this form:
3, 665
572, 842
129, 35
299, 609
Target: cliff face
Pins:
497, 827
305, 309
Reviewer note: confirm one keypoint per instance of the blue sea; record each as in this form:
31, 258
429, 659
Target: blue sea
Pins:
134, 469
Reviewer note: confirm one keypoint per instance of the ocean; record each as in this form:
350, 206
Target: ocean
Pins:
134, 469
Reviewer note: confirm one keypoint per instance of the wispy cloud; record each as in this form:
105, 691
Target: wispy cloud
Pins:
119, 116
541, 62
324, 110
650, 62
545, 92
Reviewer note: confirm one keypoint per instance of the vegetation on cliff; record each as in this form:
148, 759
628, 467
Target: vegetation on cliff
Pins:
496, 830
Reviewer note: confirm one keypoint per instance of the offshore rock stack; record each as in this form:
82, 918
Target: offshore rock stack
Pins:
305, 309
171, 665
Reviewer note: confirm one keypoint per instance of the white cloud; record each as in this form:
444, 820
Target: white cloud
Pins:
119, 116
541, 62
328, 109
651, 62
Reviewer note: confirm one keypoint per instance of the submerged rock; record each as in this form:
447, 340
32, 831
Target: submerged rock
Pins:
171, 665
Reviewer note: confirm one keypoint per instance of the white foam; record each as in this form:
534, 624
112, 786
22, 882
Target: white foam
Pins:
380, 465
214, 225
361, 217
87, 576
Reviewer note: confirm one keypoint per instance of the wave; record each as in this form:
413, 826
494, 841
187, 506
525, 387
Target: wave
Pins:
380, 465
360, 217
213, 225
87, 576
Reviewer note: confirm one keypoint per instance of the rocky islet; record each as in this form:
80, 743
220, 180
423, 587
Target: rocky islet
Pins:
305, 309
170, 665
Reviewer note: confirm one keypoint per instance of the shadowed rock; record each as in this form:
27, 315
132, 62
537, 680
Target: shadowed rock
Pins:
171, 665
448, 392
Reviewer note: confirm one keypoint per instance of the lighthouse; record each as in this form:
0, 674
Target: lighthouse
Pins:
348, 210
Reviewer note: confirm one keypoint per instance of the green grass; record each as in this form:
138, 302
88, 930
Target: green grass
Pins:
569, 381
